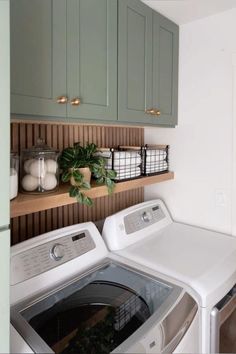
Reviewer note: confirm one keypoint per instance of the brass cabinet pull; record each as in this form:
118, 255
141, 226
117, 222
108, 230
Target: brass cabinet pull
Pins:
150, 111
75, 102
153, 112
62, 99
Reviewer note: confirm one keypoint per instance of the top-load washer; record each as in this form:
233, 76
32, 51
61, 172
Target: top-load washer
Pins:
68, 295
204, 261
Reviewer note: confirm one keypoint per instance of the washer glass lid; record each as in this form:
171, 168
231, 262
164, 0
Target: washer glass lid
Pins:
94, 314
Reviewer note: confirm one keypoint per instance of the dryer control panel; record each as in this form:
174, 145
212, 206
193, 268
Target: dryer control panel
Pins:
142, 218
135, 223
48, 255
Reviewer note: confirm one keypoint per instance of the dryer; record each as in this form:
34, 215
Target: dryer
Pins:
201, 261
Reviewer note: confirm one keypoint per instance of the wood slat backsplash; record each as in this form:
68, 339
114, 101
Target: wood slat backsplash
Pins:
58, 136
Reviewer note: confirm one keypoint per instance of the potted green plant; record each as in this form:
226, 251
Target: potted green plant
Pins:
78, 163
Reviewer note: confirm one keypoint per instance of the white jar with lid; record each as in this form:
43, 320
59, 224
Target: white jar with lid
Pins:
39, 169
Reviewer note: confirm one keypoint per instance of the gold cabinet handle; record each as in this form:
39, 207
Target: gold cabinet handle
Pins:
153, 112
62, 99
150, 111
75, 102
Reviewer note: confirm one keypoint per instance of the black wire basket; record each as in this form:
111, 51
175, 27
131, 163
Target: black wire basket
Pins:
125, 160
155, 159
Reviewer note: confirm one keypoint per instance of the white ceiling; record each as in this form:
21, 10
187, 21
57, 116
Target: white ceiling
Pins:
184, 11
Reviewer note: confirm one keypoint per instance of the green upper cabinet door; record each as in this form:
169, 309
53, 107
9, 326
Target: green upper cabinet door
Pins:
92, 59
148, 66
165, 70
134, 62
38, 57
5, 116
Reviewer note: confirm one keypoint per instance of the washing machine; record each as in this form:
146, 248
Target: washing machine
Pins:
196, 259
69, 295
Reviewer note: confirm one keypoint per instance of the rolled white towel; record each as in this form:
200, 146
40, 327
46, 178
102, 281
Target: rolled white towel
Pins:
135, 161
157, 168
121, 158
123, 174
155, 155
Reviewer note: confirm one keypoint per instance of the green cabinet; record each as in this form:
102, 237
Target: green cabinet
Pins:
165, 70
64, 50
38, 57
134, 61
92, 59
99, 60
5, 173
5, 113
147, 66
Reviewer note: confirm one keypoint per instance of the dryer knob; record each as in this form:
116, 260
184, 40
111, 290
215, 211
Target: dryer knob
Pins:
146, 216
57, 252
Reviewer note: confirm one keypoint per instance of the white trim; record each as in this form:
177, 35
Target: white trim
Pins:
234, 59
233, 211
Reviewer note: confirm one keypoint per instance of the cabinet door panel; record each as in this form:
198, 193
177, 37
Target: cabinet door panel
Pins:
4, 176
92, 58
165, 70
38, 56
5, 113
134, 61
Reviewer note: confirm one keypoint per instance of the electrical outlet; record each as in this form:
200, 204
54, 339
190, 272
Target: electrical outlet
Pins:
220, 198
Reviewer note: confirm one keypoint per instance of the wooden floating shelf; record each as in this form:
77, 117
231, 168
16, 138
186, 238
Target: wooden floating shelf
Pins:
26, 204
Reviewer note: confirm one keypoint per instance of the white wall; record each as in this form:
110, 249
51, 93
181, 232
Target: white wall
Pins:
202, 146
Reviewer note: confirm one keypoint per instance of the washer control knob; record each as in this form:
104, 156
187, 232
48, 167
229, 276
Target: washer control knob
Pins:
57, 252
146, 216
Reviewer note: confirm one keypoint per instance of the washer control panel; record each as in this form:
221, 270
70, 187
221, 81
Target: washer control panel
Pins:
140, 219
40, 259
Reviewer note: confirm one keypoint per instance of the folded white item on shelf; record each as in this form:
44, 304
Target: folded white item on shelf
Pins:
127, 169
134, 161
155, 155
155, 164
123, 174
158, 168
121, 158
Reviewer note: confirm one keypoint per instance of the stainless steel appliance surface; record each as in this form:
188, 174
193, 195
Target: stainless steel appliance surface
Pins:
69, 296
223, 324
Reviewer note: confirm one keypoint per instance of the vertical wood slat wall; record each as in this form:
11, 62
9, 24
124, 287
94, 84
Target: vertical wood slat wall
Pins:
58, 136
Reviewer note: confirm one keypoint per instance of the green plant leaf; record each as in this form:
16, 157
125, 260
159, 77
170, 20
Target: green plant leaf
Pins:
80, 197
78, 177
66, 176
100, 180
111, 174
110, 185
73, 191
83, 199
85, 185
88, 201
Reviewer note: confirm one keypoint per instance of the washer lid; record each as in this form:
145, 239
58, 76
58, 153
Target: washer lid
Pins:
106, 306
204, 260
